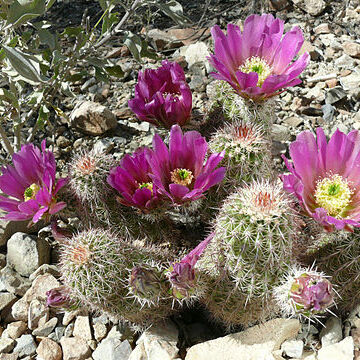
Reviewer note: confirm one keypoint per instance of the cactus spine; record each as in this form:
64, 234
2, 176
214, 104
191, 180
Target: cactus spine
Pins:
247, 152
234, 107
97, 266
253, 233
88, 172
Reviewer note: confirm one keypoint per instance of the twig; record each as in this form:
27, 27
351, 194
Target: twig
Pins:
119, 25
204, 12
17, 133
322, 78
6, 141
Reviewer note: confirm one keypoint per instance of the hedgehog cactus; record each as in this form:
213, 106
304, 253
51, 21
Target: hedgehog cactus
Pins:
230, 306
254, 231
235, 108
246, 151
148, 284
88, 171
339, 257
96, 266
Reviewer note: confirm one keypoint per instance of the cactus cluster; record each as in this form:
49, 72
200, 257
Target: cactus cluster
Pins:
140, 254
109, 274
254, 231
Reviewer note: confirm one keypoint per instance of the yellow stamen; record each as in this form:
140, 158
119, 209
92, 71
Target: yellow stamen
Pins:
182, 177
333, 193
258, 65
31, 192
147, 186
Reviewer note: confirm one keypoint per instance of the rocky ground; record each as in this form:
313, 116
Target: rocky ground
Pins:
99, 117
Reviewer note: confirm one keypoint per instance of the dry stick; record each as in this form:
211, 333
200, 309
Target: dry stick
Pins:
6, 141
119, 25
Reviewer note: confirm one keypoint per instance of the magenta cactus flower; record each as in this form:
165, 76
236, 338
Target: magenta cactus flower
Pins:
179, 171
182, 274
257, 61
58, 297
131, 179
162, 96
30, 186
325, 177
311, 293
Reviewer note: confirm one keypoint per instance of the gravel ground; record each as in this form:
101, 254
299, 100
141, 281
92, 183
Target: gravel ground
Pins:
328, 97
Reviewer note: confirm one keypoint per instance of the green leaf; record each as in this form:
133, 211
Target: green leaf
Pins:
46, 37
146, 51
173, 9
22, 65
108, 21
66, 90
72, 31
115, 70
100, 74
76, 77
21, 11
134, 43
43, 117
49, 4
36, 97
95, 61
9, 97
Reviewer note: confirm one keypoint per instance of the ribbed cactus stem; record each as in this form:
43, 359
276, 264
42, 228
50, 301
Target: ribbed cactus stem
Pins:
254, 231
234, 107
96, 266
340, 258
88, 172
229, 306
247, 152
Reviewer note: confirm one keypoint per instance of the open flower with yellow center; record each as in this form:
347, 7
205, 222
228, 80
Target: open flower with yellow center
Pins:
29, 186
257, 61
131, 179
179, 171
325, 177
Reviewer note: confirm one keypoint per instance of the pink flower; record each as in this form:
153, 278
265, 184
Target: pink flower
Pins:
162, 96
257, 61
131, 179
179, 171
182, 274
311, 293
30, 186
58, 297
325, 177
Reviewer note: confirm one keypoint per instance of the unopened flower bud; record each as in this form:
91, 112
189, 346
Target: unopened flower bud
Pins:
58, 297
182, 278
182, 275
145, 283
310, 292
